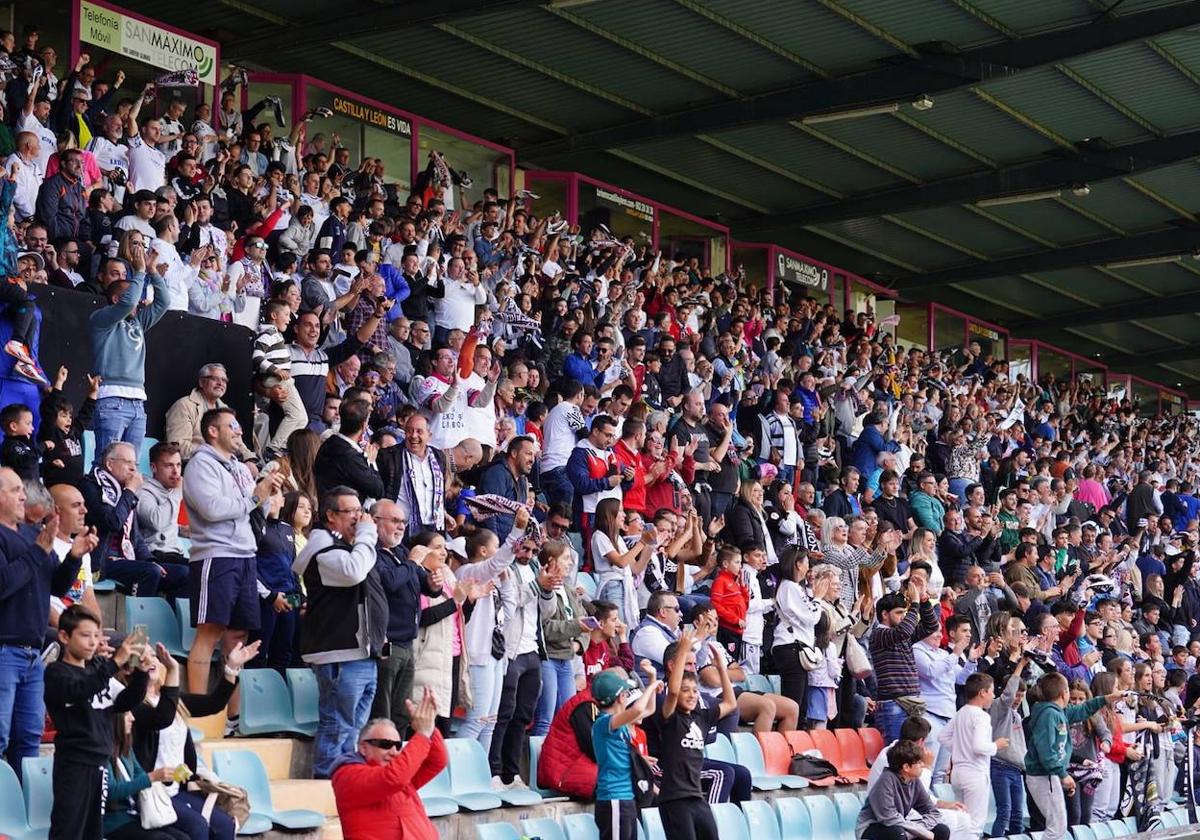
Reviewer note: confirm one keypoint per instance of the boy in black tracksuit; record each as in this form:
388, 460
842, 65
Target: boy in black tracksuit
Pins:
61, 431
82, 696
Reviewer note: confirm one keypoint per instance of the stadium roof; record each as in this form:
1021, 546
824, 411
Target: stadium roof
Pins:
1052, 187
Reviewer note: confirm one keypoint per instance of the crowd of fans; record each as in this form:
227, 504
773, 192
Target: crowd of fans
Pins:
460, 413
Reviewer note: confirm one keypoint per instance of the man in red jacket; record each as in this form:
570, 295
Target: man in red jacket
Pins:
376, 788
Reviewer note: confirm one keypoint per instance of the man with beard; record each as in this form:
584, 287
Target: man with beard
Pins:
509, 478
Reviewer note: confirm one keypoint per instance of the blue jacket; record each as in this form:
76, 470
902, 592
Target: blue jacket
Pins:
867, 448
404, 582
396, 288
576, 367
61, 205
28, 577
498, 479
274, 558
118, 332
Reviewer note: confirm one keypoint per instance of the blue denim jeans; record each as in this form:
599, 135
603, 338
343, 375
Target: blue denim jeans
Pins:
557, 487
487, 682
346, 691
1008, 784
118, 418
22, 709
558, 686
613, 591
889, 717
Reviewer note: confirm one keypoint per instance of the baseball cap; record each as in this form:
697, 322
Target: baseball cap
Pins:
609, 685
32, 255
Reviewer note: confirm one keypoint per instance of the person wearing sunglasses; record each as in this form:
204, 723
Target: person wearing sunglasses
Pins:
376, 787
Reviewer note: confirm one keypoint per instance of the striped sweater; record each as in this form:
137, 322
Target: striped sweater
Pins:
271, 354
892, 652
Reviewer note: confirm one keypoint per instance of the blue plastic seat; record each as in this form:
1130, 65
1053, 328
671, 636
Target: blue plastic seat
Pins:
244, 768
588, 583
848, 807
794, 820
1118, 828
731, 824
436, 797
1083, 832
580, 827
1130, 825
162, 625
37, 781
106, 585
144, 455
185, 547
1102, 831
759, 683
542, 827
945, 792
13, 821
187, 633
535, 754
652, 824
776, 683
761, 819
822, 815
749, 754
265, 706
497, 831
721, 749
471, 779
89, 449
302, 685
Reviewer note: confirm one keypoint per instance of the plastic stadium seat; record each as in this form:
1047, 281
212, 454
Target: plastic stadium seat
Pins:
776, 683
823, 816
1036, 835
758, 683
580, 827
652, 824
436, 797
750, 755
873, 744
535, 754
1083, 832
831, 748
945, 792
265, 706
106, 585
471, 779
761, 820
777, 757
731, 825
37, 781
302, 685
588, 583
544, 828
721, 749
89, 448
244, 768
1130, 825
144, 455
854, 756
1102, 831
848, 807
13, 822
794, 820
801, 742
1117, 828
162, 624
497, 831
187, 633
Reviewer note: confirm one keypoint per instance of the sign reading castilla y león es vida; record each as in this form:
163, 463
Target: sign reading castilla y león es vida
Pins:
371, 115
146, 42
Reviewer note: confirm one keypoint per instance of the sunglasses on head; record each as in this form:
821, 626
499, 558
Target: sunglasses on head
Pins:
385, 743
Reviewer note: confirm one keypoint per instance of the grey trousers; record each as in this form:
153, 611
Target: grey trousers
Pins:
1047, 792
394, 687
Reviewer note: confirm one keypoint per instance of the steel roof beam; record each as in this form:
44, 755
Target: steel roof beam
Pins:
1102, 252
901, 81
1141, 309
1175, 353
1088, 166
320, 30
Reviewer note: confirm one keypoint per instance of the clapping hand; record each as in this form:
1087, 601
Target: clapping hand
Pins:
84, 542
241, 654
423, 716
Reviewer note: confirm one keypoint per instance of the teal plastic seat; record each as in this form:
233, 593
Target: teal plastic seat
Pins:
848, 807
436, 797
1130, 825
945, 792
1083, 832
822, 816
776, 683
471, 779
144, 455
759, 683
749, 754
185, 547
588, 583
1102, 831
302, 685
106, 585
794, 820
13, 820
535, 753
721, 749
652, 824
542, 827
89, 449
37, 781
731, 825
265, 706
244, 768
761, 820
580, 827
162, 625
187, 633
497, 831
1118, 828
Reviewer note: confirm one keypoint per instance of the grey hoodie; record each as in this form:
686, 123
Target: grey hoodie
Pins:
217, 492
1006, 723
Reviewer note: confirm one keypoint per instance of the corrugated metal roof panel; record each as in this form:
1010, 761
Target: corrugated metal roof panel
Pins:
988, 309
1050, 220
1128, 337
1025, 295
900, 145
1142, 81
970, 230
809, 30
918, 21
694, 41
1122, 205
1054, 101
809, 157
698, 161
1088, 286
1179, 184
1026, 17
963, 116
1164, 278
892, 240
1182, 326
552, 41
613, 170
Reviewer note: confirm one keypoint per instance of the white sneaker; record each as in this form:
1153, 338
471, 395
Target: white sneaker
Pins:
518, 784
231, 727
498, 783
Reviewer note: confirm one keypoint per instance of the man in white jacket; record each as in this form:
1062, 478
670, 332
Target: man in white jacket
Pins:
969, 739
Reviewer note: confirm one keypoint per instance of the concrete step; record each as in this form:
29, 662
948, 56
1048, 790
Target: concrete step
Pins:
276, 754
309, 794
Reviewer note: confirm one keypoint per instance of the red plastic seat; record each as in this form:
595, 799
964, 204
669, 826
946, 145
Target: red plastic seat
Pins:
872, 740
832, 750
777, 754
854, 756
801, 742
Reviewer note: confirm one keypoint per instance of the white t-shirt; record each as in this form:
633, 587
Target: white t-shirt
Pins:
109, 154
29, 181
179, 276
558, 434
457, 308
81, 584
170, 126
481, 421
147, 165
283, 200
46, 139
449, 426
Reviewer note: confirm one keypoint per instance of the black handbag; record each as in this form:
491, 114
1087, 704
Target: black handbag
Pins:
811, 767
645, 787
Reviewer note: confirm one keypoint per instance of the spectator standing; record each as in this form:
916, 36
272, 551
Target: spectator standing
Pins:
562, 429
60, 201
969, 739
342, 460
903, 619
509, 478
